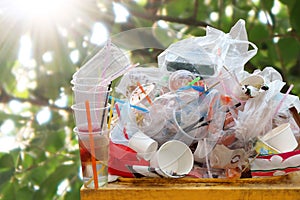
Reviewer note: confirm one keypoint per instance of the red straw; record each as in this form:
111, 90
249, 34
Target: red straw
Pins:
88, 115
119, 115
143, 91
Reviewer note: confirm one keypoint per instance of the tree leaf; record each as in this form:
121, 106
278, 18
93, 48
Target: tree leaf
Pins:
295, 16
290, 51
6, 161
6, 175
267, 4
7, 191
258, 33
289, 3
49, 186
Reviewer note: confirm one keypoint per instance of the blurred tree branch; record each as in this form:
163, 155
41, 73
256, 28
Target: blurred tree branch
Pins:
39, 101
192, 21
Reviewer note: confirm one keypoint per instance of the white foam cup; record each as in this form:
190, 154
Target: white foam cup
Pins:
143, 145
281, 138
173, 159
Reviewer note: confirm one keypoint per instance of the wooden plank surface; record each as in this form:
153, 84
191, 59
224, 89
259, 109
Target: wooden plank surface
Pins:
275, 188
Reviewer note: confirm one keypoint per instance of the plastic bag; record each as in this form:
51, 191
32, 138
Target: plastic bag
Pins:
207, 55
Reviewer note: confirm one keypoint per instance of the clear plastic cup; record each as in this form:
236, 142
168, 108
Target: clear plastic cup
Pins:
96, 93
98, 114
94, 151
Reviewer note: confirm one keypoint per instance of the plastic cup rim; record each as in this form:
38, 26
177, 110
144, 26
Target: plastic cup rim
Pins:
76, 108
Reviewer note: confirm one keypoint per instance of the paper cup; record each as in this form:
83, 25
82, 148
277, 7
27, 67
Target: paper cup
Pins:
173, 159
254, 81
263, 148
143, 145
281, 138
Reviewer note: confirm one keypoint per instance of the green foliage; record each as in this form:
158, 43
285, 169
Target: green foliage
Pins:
48, 152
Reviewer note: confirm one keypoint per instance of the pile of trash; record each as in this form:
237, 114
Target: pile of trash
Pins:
200, 114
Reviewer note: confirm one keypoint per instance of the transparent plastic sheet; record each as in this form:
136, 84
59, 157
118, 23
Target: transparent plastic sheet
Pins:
258, 113
126, 122
207, 55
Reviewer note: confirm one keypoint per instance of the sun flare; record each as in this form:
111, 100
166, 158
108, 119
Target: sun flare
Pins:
41, 8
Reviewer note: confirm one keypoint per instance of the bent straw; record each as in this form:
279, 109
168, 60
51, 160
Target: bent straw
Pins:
282, 100
143, 91
88, 115
131, 105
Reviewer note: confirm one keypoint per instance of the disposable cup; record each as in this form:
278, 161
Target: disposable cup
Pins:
98, 114
281, 138
179, 79
263, 148
93, 149
96, 93
153, 122
186, 123
143, 145
143, 95
203, 149
89, 81
173, 159
255, 81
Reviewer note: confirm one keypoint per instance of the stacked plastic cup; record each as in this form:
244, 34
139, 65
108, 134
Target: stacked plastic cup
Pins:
90, 110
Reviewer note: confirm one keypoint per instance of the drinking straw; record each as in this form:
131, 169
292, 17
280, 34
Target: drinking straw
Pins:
282, 100
210, 110
105, 104
98, 172
143, 91
119, 115
206, 160
111, 112
232, 75
190, 127
194, 81
90, 128
197, 88
131, 105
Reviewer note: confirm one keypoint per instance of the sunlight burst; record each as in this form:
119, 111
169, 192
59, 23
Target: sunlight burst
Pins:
38, 9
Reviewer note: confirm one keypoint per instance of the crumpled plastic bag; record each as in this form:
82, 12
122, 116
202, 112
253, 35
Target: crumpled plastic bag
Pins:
207, 55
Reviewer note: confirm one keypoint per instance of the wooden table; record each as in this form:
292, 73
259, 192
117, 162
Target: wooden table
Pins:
274, 188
